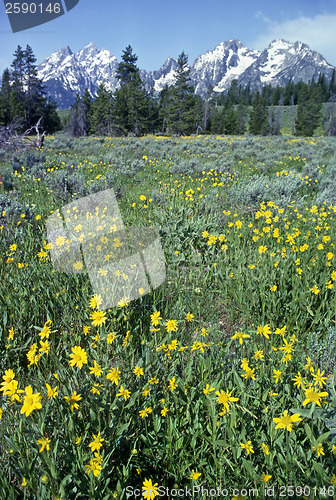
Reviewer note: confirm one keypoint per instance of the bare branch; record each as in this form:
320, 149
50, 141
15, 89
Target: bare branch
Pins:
11, 139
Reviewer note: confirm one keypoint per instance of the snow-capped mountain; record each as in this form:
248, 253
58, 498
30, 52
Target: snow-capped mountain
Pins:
222, 65
65, 73
283, 61
164, 76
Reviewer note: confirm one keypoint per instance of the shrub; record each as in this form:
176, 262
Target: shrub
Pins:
65, 185
27, 160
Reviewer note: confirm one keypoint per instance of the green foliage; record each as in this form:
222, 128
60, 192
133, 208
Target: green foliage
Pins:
12, 207
5, 98
308, 111
132, 103
182, 113
27, 160
98, 115
22, 95
65, 184
258, 124
241, 256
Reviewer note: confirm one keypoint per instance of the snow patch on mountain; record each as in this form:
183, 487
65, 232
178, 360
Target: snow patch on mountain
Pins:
65, 73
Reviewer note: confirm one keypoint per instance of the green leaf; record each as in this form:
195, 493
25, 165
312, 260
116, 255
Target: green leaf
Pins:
5, 318
323, 437
248, 466
238, 380
309, 433
209, 429
233, 418
303, 411
221, 443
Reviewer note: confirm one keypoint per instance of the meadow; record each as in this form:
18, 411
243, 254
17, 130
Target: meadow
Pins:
223, 377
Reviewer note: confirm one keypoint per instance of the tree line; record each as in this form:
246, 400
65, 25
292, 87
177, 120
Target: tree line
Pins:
266, 107
22, 96
132, 109
177, 110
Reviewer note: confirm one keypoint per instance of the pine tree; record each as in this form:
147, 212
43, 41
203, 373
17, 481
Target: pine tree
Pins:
198, 114
165, 108
288, 93
81, 115
308, 110
274, 120
101, 112
132, 103
233, 93
330, 118
26, 96
34, 93
216, 121
332, 84
230, 120
5, 98
183, 101
324, 87
247, 95
87, 110
79, 120
259, 116
276, 95
242, 114
17, 98
51, 121
127, 69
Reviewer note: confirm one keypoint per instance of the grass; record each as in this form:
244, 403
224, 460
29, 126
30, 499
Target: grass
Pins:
218, 378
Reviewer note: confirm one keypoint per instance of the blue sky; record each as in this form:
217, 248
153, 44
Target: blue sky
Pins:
157, 29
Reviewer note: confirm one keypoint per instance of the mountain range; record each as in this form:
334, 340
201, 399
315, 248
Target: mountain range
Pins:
65, 73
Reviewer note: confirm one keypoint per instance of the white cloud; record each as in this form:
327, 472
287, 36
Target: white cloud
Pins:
318, 32
261, 15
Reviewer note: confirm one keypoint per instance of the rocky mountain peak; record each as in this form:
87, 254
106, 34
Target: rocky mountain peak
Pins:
65, 73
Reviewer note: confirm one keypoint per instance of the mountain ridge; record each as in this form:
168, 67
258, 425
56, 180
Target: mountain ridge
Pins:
65, 73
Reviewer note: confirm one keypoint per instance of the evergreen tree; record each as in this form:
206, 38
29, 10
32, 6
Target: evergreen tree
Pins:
330, 118
216, 121
25, 94
276, 96
183, 99
324, 87
101, 111
233, 93
77, 119
5, 98
34, 93
288, 94
87, 111
81, 115
230, 120
132, 103
165, 108
242, 114
247, 95
17, 97
51, 121
274, 120
127, 68
153, 123
308, 111
198, 114
259, 116
332, 84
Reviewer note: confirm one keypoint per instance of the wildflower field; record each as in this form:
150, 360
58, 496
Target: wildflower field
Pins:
220, 380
